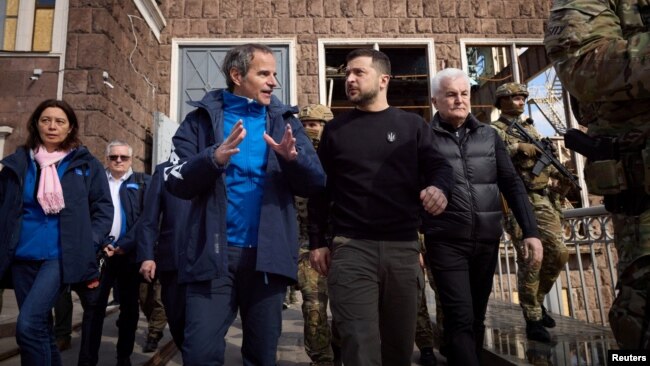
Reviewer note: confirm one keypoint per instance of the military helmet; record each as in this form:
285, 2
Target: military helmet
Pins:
316, 112
509, 90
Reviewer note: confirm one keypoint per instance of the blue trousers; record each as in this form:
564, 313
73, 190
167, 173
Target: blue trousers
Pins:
172, 295
37, 285
211, 307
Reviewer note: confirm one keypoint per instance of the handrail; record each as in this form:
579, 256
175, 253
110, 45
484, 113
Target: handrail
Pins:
589, 277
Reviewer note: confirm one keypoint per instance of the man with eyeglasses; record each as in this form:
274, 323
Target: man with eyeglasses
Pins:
127, 191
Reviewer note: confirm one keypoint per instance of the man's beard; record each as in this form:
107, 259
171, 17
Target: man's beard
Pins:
511, 109
364, 98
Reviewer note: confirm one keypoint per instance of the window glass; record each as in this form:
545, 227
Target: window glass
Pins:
488, 67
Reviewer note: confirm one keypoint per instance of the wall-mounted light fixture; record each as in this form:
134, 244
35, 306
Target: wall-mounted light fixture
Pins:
37, 74
105, 77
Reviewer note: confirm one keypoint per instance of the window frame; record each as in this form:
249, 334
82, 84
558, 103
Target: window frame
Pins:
513, 43
25, 27
376, 43
152, 15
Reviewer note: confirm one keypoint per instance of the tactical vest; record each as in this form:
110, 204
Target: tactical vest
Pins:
523, 164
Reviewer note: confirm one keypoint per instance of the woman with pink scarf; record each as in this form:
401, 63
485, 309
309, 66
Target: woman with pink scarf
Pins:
56, 211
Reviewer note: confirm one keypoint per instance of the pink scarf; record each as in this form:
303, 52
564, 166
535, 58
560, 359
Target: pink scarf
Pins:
50, 194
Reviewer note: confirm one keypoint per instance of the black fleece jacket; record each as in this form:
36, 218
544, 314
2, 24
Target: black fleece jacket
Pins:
376, 164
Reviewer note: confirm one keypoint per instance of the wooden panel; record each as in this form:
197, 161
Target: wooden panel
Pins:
43, 22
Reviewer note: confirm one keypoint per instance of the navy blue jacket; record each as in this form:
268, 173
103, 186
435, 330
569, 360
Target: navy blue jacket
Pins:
132, 198
162, 222
196, 176
84, 222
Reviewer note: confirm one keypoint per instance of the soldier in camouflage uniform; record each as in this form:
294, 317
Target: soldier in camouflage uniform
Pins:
313, 286
425, 334
534, 281
601, 52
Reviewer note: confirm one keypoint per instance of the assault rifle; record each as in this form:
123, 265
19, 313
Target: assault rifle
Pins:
546, 157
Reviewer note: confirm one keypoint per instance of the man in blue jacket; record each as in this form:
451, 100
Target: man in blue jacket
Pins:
162, 232
127, 192
242, 243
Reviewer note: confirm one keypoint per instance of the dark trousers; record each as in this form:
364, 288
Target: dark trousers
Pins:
463, 273
211, 307
63, 315
37, 285
153, 308
172, 295
373, 288
125, 273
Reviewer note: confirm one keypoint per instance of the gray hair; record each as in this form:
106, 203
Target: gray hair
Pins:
449, 73
118, 143
239, 58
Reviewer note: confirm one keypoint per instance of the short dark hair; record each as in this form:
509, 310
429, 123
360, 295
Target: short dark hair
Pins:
72, 141
239, 58
380, 61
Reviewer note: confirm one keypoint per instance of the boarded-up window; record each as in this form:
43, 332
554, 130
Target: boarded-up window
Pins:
43, 25
8, 22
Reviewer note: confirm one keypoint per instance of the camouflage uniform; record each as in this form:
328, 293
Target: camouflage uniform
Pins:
427, 334
313, 286
424, 333
534, 281
601, 52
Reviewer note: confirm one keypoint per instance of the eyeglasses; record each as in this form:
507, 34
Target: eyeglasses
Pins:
121, 157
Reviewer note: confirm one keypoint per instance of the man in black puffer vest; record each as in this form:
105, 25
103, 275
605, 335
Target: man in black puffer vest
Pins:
463, 242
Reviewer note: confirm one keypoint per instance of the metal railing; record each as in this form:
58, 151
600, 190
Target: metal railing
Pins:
586, 288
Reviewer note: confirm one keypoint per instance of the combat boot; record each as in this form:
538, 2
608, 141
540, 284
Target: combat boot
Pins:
535, 331
547, 321
427, 357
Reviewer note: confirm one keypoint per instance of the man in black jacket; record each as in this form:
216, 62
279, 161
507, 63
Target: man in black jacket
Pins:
127, 192
381, 170
463, 242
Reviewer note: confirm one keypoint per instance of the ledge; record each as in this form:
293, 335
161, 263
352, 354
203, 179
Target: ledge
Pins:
5, 130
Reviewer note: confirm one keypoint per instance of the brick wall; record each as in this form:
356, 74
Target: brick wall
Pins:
101, 38
309, 20
19, 95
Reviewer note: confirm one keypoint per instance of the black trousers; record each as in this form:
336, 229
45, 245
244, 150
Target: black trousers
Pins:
373, 287
125, 273
463, 272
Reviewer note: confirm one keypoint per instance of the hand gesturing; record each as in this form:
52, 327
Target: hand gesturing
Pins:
229, 147
287, 147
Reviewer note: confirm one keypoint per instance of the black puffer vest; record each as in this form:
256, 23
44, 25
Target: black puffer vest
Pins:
474, 210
